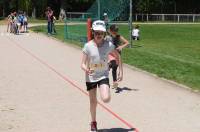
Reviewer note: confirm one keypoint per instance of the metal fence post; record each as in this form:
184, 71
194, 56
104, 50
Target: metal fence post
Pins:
65, 29
130, 25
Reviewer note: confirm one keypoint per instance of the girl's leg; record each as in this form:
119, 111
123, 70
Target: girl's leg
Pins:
93, 103
26, 26
114, 71
11, 28
114, 67
54, 28
8, 26
49, 27
104, 92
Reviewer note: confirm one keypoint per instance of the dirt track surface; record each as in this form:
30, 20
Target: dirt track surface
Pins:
42, 90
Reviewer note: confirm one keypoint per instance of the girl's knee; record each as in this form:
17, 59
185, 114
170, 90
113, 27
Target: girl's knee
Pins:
106, 99
105, 92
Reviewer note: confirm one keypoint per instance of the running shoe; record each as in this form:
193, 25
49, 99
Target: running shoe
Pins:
93, 126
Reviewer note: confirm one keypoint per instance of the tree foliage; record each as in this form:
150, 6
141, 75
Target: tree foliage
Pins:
139, 6
167, 6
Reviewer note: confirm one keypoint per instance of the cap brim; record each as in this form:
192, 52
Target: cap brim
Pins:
99, 29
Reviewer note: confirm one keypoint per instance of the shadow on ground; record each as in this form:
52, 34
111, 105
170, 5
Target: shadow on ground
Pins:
119, 90
116, 130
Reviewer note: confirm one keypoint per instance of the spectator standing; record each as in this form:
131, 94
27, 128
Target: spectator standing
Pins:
25, 23
9, 22
49, 15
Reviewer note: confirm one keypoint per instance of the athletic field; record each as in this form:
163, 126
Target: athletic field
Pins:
171, 51
42, 89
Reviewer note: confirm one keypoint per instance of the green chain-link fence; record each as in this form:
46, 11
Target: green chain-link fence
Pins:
116, 10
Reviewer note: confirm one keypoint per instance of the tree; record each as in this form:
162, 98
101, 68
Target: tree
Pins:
24, 5
1, 8
149, 6
69, 5
5, 7
38, 8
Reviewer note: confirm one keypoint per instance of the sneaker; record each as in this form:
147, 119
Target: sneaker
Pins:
93, 126
115, 85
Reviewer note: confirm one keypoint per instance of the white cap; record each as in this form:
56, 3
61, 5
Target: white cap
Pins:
99, 26
105, 14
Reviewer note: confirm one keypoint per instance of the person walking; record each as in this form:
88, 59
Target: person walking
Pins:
120, 42
95, 65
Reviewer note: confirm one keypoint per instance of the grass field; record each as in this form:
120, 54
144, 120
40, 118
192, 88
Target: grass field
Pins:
171, 51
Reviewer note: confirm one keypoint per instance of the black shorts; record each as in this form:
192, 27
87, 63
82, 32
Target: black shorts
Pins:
21, 23
135, 38
91, 85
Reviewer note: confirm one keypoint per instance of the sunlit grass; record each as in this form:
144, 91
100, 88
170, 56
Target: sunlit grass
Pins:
169, 51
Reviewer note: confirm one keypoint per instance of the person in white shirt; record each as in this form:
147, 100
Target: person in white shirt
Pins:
136, 33
95, 65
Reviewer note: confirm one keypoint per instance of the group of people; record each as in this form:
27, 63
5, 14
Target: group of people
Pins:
100, 55
17, 22
51, 19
